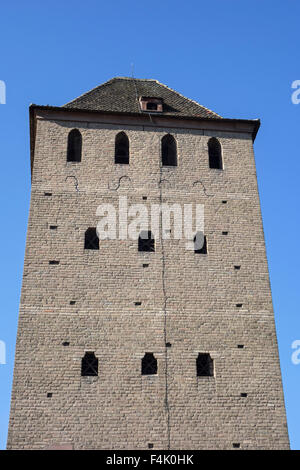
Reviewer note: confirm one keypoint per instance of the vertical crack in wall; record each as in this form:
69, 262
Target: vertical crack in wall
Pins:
164, 312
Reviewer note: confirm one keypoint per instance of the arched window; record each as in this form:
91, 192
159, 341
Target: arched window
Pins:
74, 146
168, 151
204, 365
91, 240
122, 148
200, 243
215, 154
149, 364
89, 364
146, 241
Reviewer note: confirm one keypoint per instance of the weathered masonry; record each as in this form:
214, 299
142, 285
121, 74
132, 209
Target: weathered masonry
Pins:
140, 344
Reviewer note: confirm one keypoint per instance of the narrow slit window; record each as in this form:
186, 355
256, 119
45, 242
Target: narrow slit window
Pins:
74, 146
89, 365
168, 151
146, 241
91, 240
200, 243
122, 149
149, 364
215, 154
204, 365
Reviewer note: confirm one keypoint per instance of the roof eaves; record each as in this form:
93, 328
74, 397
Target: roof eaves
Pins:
256, 122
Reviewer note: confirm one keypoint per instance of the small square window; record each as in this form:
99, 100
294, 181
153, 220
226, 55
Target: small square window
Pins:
89, 364
236, 445
200, 243
149, 364
204, 365
91, 240
146, 241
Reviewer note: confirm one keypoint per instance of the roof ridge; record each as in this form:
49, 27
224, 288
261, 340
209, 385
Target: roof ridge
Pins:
90, 91
108, 81
189, 99
134, 78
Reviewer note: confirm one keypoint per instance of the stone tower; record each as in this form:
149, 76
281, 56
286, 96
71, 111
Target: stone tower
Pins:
137, 344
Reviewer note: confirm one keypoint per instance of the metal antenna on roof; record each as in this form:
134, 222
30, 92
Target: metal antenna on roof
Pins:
135, 86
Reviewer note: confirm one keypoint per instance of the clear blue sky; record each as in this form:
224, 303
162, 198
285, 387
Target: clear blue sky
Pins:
235, 57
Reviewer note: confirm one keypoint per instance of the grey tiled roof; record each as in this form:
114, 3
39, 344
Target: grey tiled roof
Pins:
121, 94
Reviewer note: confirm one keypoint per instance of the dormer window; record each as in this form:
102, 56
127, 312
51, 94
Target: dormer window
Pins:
152, 105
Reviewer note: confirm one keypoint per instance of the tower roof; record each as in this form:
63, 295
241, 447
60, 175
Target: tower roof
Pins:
122, 94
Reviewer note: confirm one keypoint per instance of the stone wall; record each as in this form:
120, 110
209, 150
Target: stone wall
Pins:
187, 299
